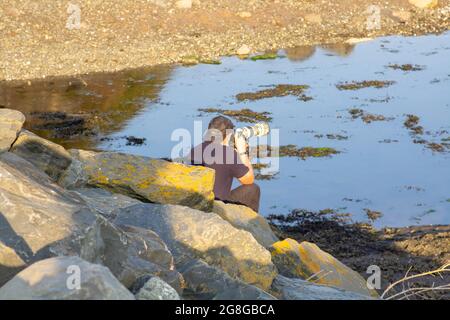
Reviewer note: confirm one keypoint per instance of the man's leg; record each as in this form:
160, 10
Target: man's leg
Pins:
248, 195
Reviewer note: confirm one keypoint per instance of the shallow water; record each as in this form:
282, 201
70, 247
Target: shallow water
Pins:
379, 168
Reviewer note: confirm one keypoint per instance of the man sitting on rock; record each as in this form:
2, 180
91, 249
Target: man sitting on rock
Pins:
215, 153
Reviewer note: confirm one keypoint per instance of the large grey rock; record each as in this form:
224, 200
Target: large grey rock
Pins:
298, 289
306, 260
206, 282
39, 219
50, 157
143, 178
244, 218
53, 279
156, 289
11, 121
192, 234
103, 201
133, 253
10, 263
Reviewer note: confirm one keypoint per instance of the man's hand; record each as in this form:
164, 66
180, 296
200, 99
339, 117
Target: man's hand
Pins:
240, 143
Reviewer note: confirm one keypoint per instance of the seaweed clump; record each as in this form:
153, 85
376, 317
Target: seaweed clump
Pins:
356, 85
291, 150
412, 123
244, 115
406, 67
257, 167
265, 56
280, 90
367, 117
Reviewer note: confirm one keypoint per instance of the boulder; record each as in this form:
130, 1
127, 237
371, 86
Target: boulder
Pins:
143, 178
11, 121
207, 282
39, 220
156, 289
298, 289
194, 234
103, 201
243, 50
50, 157
56, 279
424, 4
10, 263
172, 277
133, 253
307, 261
244, 218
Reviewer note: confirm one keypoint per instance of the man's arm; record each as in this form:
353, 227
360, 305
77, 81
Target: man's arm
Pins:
241, 148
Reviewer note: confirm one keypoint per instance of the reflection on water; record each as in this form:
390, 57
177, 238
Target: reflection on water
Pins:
77, 112
383, 166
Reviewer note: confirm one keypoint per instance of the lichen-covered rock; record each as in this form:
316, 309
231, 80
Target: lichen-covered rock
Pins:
306, 260
50, 157
298, 289
144, 178
156, 289
39, 220
244, 218
57, 279
192, 234
205, 282
11, 121
424, 4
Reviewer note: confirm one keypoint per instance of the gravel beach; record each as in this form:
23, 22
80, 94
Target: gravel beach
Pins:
42, 38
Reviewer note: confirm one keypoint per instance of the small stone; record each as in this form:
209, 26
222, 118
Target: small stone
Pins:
402, 15
243, 50
157, 289
313, 18
244, 14
184, 4
424, 4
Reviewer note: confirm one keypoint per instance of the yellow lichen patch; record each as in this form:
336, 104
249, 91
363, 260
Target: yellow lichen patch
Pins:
306, 260
152, 179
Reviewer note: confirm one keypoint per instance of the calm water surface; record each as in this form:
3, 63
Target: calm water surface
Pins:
379, 168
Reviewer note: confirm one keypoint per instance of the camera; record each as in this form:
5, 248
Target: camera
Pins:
258, 130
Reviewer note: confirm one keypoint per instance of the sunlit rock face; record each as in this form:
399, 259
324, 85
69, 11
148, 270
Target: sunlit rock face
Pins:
144, 178
48, 280
298, 289
11, 122
194, 234
50, 157
39, 220
307, 261
244, 218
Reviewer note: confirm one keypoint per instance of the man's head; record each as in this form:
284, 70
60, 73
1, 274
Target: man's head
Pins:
220, 126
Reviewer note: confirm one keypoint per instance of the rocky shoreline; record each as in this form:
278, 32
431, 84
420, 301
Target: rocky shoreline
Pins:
141, 228
115, 35
397, 251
